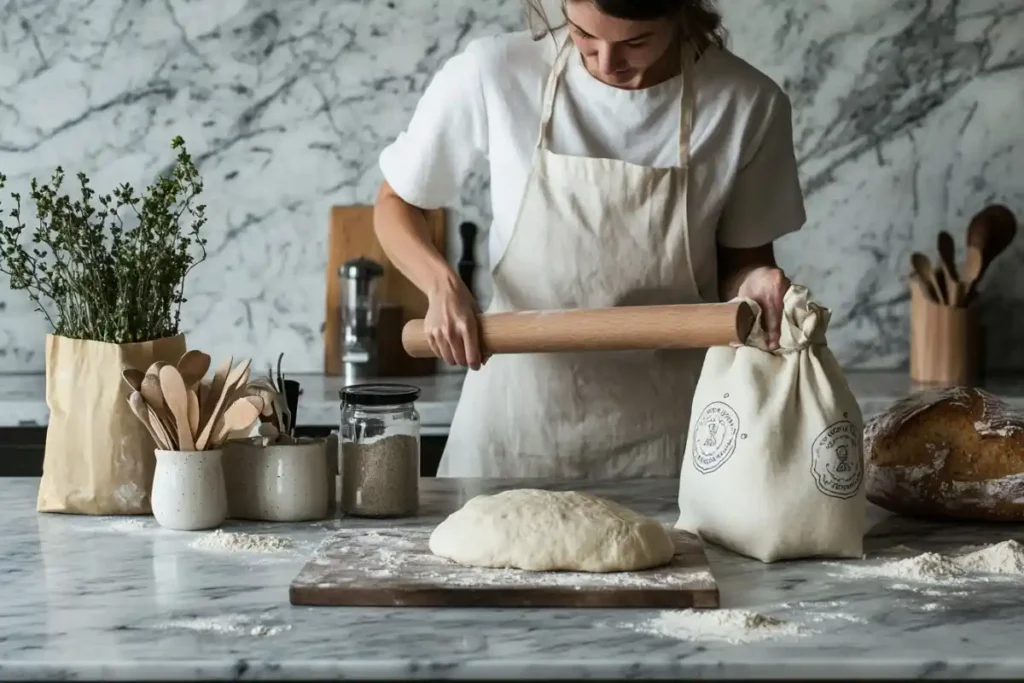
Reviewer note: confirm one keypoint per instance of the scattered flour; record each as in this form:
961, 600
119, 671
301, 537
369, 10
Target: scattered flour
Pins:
393, 539
1002, 558
932, 607
728, 625
127, 524
224, 541
925, 590
231, 624
1006, 558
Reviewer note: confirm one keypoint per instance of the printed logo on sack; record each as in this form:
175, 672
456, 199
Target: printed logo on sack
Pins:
714, 436
836, 462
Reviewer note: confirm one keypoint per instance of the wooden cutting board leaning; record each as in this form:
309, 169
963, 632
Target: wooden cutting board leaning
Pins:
352, 236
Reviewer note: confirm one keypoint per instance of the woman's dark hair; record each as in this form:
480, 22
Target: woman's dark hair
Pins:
700, 19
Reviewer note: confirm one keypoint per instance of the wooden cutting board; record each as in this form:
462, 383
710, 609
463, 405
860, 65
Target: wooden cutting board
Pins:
352, 236
394, 568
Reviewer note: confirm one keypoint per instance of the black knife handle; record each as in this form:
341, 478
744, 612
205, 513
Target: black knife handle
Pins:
467, 262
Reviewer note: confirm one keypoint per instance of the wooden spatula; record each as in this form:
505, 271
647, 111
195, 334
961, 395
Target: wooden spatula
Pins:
236, 374
242, 414
176, 397
922, 265
208, 402
142, 411
193, 411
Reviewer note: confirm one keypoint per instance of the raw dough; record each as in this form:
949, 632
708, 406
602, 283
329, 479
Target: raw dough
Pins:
549, 531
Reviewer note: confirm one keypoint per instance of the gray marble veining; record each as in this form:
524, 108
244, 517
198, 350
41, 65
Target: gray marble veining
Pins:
906, 119
107, 598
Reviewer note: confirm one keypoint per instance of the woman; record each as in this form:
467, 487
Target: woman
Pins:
633, 161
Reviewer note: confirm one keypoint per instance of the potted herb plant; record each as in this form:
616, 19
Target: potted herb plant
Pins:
108, 272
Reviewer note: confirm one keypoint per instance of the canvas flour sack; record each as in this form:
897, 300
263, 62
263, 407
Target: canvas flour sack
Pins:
773, 467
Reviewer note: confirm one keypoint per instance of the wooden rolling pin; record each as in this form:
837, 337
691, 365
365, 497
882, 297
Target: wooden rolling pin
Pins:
624, 328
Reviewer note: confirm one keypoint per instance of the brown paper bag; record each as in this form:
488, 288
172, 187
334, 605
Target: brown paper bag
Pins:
99, 458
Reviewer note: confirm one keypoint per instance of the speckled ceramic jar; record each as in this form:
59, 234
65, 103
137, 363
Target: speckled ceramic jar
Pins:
188, 490
278, 483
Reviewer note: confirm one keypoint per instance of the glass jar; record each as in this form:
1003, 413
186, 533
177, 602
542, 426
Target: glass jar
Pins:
380, 450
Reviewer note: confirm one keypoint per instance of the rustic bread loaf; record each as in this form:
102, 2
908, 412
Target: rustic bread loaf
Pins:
955, 453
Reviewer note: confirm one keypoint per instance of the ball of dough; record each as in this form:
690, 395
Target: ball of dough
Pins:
551, 530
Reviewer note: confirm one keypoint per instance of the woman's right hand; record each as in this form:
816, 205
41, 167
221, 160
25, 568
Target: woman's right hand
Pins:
452, 326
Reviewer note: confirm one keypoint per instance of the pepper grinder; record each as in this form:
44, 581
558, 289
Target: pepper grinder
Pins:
467, 262
360, 312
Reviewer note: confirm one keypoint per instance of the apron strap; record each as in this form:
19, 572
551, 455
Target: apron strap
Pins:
689, 104
550, 89
686, 109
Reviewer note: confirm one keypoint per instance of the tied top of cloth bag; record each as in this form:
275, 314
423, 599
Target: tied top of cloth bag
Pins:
804, 323
773, 467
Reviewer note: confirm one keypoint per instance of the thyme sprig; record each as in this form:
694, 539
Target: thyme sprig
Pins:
111, 267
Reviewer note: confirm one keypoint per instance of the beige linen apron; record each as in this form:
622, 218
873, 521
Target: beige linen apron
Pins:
591, 233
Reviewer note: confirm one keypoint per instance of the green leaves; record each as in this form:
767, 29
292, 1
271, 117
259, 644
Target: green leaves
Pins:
109, 267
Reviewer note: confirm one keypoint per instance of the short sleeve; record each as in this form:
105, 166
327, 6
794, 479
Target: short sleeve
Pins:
766, 201
446, 138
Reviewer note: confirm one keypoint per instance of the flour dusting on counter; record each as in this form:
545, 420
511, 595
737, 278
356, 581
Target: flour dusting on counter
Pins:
223, 541
728, 625
127, 524
966, 565
1002, 558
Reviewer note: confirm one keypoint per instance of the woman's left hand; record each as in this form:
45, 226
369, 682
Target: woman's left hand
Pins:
767, 286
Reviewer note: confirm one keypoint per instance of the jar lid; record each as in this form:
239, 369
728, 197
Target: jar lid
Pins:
379, 394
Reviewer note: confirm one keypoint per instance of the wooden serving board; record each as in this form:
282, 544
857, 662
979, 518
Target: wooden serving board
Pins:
352, 236
394, 568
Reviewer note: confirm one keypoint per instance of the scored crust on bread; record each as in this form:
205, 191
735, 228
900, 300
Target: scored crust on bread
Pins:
953, 452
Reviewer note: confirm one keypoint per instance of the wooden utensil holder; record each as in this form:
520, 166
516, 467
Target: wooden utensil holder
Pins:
944, 341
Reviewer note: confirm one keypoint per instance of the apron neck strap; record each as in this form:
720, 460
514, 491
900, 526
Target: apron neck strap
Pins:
551, 89
566, 50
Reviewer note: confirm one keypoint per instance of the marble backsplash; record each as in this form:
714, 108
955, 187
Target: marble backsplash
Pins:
907, 116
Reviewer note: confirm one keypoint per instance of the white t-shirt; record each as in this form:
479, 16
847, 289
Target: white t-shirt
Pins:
485, 104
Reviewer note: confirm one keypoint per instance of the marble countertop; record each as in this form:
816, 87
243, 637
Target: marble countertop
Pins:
23, 402
23, 399
121, 598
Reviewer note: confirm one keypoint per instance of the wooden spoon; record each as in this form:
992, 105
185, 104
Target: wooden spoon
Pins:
193, 366
133, 378
165, 434
193, 411
971, 272
213, 394
991, 231
144, 413
947, 259
229, 382
154, 396
923, 267
203, 391
242, 414
258, 402
947, 254
176, 397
